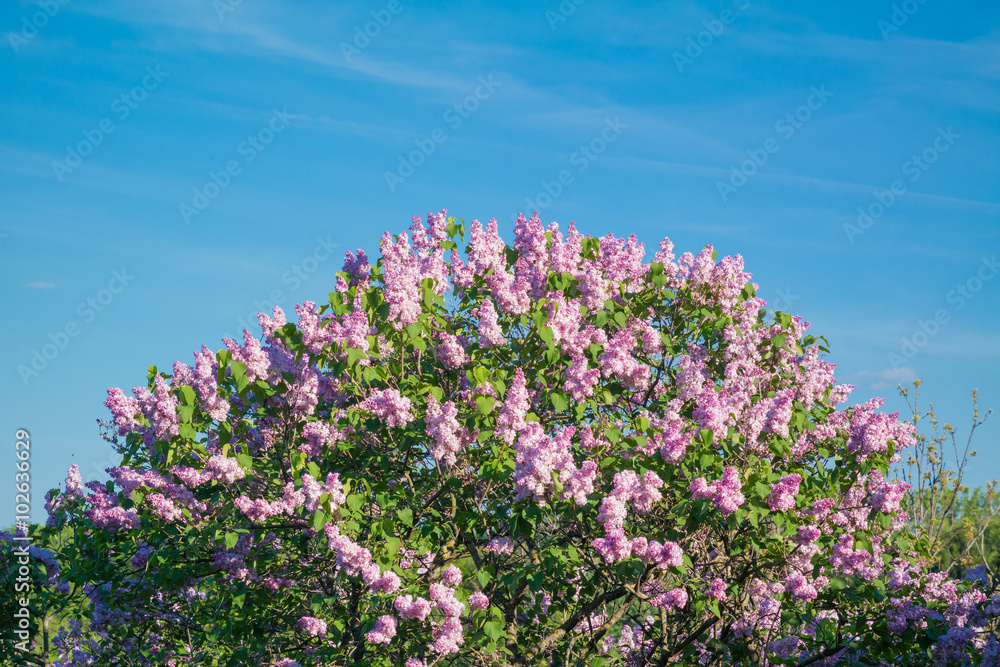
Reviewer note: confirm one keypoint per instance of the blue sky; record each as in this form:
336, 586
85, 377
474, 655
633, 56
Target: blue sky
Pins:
169, 169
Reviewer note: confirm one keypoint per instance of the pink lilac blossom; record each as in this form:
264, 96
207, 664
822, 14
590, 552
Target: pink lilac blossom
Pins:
784, 647
318, 435
313, 491
885, 496
800, 588
673, 443
848, 561
871, 431
411, 608
312, 626
357, 267
717, 590
542, 459
450, 352
580, 483
390, 406
452, 576
74, 486
500, 545
676, 598
251, 355
160, 408
402, 280
581, 379
141, 557
490, 333
618, 360
384, 630
712, 412
219, 468
726, 492
643, 493
510, 419
205, 383
123, 408
668, 554
447, 636
782, 496
479, 600
446, 601
164, 507
448, 437
354, 559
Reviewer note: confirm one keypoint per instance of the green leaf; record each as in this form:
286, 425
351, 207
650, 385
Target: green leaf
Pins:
485, 404
406, 516
231, 540
245, 460
837, 584
559, 402
188, 397
187, 413
319, 520
239, 369
546, 334
239, 597
494, 630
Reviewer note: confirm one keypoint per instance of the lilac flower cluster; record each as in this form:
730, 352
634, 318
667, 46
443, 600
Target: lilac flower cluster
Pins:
390, 406
543, 461
726, 492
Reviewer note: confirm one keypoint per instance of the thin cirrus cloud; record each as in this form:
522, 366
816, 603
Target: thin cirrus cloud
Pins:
883, 379
41, 284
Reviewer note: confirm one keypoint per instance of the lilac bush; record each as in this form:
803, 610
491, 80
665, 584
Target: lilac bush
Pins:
551, 453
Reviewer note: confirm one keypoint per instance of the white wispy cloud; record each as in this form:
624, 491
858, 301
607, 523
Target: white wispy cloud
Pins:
882, 379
